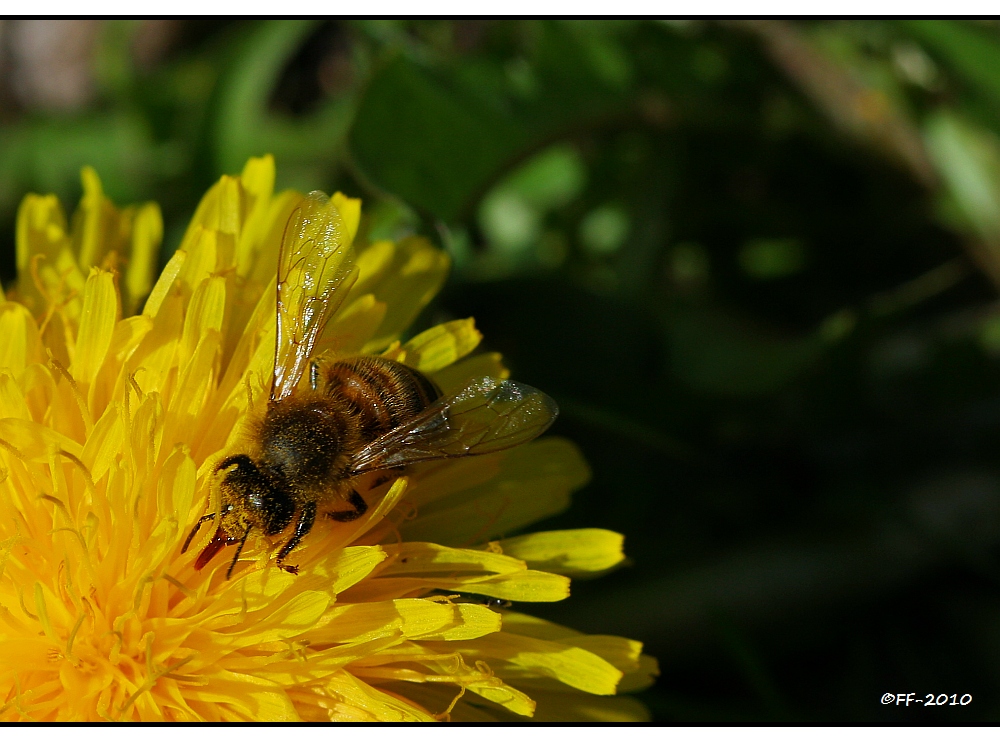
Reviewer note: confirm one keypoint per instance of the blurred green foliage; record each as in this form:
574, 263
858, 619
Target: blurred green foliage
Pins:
755, 262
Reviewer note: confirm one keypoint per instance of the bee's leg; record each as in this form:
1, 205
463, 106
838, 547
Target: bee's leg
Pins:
304, 525
313, 375
360, 508
236, 556
195, 530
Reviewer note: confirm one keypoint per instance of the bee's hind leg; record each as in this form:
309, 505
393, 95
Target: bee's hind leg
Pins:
360, 508
302, 527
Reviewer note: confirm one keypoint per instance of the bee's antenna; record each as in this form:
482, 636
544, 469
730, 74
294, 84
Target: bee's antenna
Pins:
195, 530
236, 556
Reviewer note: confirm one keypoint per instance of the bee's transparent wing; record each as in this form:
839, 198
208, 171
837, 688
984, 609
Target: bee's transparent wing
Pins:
488, 415
315, 271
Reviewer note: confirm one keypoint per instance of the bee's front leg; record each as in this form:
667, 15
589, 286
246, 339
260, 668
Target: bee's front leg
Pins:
305, 523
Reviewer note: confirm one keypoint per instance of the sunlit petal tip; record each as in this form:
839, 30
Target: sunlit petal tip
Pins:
574, 552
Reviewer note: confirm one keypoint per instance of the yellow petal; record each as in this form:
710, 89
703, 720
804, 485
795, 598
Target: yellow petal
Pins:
350, 212
97, 323
147, 233
342, 536
348, 566
442, 345
373, 263
377, 705
299, 670
462, 570
448, 670
175, 490
534, 482
246, 593
360, 622
438, 697
21, 344
435, 481
406, 283
195, 383
455, 377
35, 442
153, 361
39, 389
203, 256
103, 443
164, 283
257, 181
512, 657
228, 217
12, 403
205, 312
641, 677
411, 618
291, 619
428, 558
229, 223
472, 621
251, 341
620, 652
127, 336
639, 669
571, 552
500, 693
267, 238
254, 699
353, 327
24, 653
92, 222
40, 223
529, 586
526, 585
257, 178
562, 708
47, 271
211, 237
539, 628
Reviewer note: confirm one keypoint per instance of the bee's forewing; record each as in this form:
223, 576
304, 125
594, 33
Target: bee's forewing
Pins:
488, 415
315, 271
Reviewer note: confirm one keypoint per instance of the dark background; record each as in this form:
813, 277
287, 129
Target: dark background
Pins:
756, 263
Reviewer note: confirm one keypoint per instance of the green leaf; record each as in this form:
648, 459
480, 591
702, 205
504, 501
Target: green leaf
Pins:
438, 139
244, 127
46, 156
717, 354
974, 53
256, 62
431, 145
968, 159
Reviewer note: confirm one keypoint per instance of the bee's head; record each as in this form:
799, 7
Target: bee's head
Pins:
251, 499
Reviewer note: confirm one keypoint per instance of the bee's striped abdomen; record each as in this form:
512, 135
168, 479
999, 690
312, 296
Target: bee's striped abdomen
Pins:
384, 394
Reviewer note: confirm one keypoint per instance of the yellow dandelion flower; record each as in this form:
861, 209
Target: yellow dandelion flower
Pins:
113, 424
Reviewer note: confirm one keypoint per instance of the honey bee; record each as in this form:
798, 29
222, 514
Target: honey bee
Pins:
354, 416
